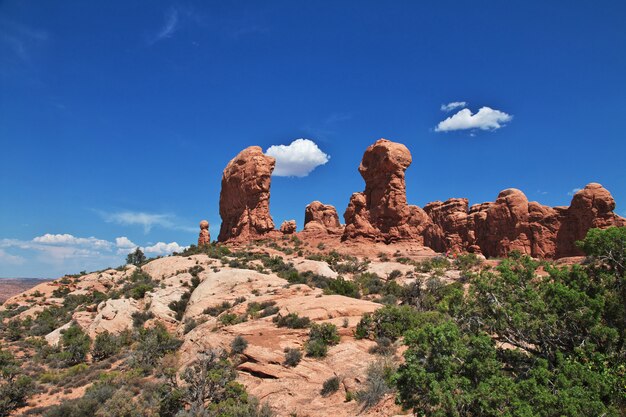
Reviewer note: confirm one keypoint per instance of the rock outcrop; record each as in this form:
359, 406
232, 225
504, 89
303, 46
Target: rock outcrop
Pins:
513, 223
204, 238
381, 213
288, 227
245, 196
591, 207
321, 217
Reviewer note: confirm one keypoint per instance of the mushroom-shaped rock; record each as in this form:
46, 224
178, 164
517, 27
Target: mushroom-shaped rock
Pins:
288, 227
204, 238
381, 212
245, 196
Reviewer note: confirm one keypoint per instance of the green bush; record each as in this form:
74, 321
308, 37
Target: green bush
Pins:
330, 386
75, 345
105, 345
326, 332
153, 344
292, 357
378, 383
316, 348
292, 321
341, 286
391, 322
238, 345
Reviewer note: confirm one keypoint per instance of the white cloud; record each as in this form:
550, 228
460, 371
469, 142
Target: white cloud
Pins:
146, 220
297, 159
169, 26
162, 248
453, 105
10, 259
485, 119
573, 191
124, 245
67, 239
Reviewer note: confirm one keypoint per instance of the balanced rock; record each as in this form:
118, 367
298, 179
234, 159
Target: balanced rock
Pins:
288, 227
204, 238
245, 196
381, 213
321, 217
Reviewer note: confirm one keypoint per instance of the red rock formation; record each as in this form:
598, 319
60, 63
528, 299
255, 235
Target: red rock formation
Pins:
245, 195
381, 213
288, 227
321, 217
591, 207
512, 223
204, 238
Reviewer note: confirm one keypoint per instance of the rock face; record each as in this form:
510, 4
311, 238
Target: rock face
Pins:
321, 217
590, 207
245, 196
204, 238
381, 213
288, 227
513, 223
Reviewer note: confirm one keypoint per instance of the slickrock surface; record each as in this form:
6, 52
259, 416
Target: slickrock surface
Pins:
245, 196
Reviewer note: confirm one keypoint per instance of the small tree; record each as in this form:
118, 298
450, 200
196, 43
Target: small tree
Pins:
75, 344
136, 258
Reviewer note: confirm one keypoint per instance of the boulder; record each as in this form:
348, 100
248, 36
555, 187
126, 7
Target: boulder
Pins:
321, 217
245, 196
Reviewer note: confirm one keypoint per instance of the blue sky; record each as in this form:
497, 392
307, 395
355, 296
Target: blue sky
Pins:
117, 118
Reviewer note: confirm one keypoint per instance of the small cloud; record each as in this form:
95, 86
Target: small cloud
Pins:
124, 245
542, 192
69, 240
453, 105
573, 191
146, 220
10, 259
485, 119
168, 28
162, 248
297, 159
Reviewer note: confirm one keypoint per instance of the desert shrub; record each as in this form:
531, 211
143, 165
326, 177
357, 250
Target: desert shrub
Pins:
394, 274
292, 357
190, 324
264, 309
13, 330
213, 250
432, 264
14, 387
316, 348
138, 284
217, 310
105, 345
152, 345
391, 322
370, 283
140, 317
378, 383
292, 321
326, 332
467, 261
238, 345
341, 286
320, 337
75, 345
330, 386
229, 319
384, 346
